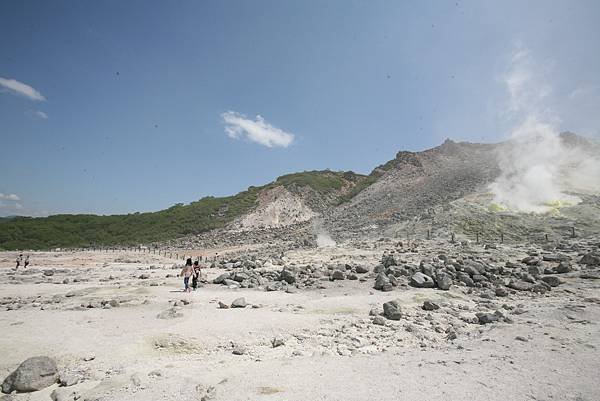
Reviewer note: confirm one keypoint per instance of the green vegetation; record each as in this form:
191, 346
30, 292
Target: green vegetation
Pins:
359, 187
84, 230
322, 182
131, 229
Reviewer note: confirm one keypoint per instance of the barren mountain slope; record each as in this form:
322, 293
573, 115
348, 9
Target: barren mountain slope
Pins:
415, 182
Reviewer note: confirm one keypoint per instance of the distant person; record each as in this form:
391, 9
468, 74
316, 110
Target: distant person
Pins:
187, 272
19, 261
26, 262
196, 275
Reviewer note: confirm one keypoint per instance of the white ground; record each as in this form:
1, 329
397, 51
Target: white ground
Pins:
332, 351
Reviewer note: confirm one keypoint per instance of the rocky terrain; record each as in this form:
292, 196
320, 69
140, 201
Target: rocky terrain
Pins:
432, 319
408, 283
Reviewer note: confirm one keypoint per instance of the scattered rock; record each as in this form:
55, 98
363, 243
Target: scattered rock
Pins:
552, 281
421, 280
33, 374
392, 310
501, 292
239, 303
485, 318
239, 350
429, 306
171, 313
382, 282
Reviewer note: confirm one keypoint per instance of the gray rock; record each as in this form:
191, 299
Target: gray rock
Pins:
375, 312
287, 276
221, 278
443, 281
520, 285
429, 306
69, 379
144, 276
590, 259
563, 267
33, 374
351, 276
379, 320
552, 281
338, 275
501, 292
485, 318
392, 310
239, 350
223, 305
361, 269
421, 280
382, 283
239, 303
277, 342
48, 273
171, 313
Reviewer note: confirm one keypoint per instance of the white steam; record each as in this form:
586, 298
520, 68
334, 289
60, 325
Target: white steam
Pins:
538, 168
324, 240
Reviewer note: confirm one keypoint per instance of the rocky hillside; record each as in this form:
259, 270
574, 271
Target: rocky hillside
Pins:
446, 187
414, 183
290, 199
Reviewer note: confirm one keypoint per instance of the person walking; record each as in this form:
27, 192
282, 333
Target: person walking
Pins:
187, 272
19, 261
196, 275
26, 262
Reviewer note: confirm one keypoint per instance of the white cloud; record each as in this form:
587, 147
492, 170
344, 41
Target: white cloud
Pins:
259, 131
11, 197
18, 206
21, 89
41, 115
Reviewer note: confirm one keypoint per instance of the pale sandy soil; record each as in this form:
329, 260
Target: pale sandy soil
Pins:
332, 351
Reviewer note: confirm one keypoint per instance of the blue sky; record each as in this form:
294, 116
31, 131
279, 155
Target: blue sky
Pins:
121, 106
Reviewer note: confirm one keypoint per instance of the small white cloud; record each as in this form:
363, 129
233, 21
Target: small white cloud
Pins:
11, 197
18, 206
259, 130
41, 115
21, 89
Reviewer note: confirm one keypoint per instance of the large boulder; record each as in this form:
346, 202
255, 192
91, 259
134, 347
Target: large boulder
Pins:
590, 259
221, 278
239, 303
338, 275
382, 282
421, 280
362, 269
32, 375
443, 281
287, 276
392, 310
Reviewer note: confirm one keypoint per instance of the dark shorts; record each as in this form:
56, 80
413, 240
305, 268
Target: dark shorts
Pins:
186, 282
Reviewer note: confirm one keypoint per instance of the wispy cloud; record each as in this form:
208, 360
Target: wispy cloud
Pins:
20, 88
41, 114
259, 131
11, 197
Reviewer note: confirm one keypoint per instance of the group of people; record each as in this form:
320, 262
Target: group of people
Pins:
22, 262
190, 271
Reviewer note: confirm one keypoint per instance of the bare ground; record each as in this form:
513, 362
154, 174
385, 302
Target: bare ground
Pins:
331, 350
